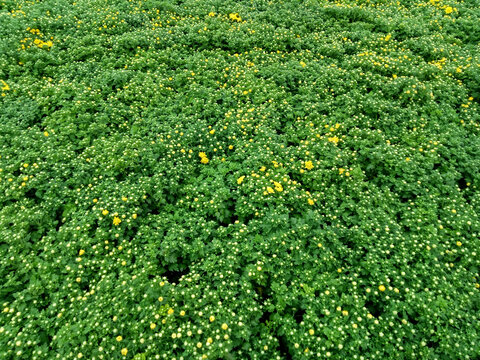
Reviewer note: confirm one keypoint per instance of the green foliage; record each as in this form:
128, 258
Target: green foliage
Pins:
239, 179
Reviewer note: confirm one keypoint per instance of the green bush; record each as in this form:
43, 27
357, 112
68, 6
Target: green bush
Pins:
239, 179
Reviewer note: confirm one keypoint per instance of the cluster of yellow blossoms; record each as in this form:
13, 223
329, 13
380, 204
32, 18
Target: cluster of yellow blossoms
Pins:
203, 157
234, 17
5, 87
278, 187
41, 43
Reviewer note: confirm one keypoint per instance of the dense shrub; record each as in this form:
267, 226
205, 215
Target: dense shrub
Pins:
239, 179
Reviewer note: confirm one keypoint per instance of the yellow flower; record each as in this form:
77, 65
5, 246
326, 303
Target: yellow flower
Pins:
278, 186
311, 202
204, 160
211, 13
212, 318
202, 155
119, 338
303, 64
388, 37
116, 220
124, 351
334, 139
311, 331
105, 212
5, 86
308, 165
235, 17
270, 190
341, 171
81, 252
170, 311
153, 326
224, 326
240, 179
124, 198
212, 131
459, 243
263, 168
45, 133
381, 288
448, 10
134, 216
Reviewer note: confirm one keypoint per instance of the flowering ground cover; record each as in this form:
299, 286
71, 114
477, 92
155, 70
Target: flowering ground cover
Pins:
239, 179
